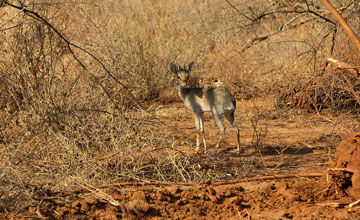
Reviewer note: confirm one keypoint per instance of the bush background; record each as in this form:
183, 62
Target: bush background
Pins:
68, 122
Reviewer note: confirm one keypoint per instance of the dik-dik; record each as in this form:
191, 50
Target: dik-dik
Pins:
218, 101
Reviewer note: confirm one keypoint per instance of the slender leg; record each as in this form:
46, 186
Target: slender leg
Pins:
202, 131
197, 125
230, 117
218, 121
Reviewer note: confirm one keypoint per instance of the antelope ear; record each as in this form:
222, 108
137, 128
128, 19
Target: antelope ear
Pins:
173, 68
191, 65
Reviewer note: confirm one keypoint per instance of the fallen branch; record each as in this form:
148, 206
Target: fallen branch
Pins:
251, 179
261, 178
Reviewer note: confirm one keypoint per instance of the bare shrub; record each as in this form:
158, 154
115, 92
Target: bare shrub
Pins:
68, 122
322, 92
284, 54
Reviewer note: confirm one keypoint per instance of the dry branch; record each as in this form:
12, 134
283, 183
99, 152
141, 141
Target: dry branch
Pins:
70, 45
261, 178
251, 179
342, 65
342, 22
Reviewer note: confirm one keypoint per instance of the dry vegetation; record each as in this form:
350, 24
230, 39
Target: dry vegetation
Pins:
77, 109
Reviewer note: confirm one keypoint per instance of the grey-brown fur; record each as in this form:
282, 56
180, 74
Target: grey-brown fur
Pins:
218, 101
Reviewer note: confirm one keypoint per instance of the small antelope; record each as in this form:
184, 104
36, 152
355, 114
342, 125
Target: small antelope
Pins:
199, 100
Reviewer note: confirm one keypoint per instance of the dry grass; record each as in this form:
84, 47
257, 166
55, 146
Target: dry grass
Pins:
66, 126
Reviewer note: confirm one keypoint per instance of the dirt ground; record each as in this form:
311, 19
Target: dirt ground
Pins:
303, 145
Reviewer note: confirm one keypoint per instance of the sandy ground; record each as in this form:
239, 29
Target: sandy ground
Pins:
292, 145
